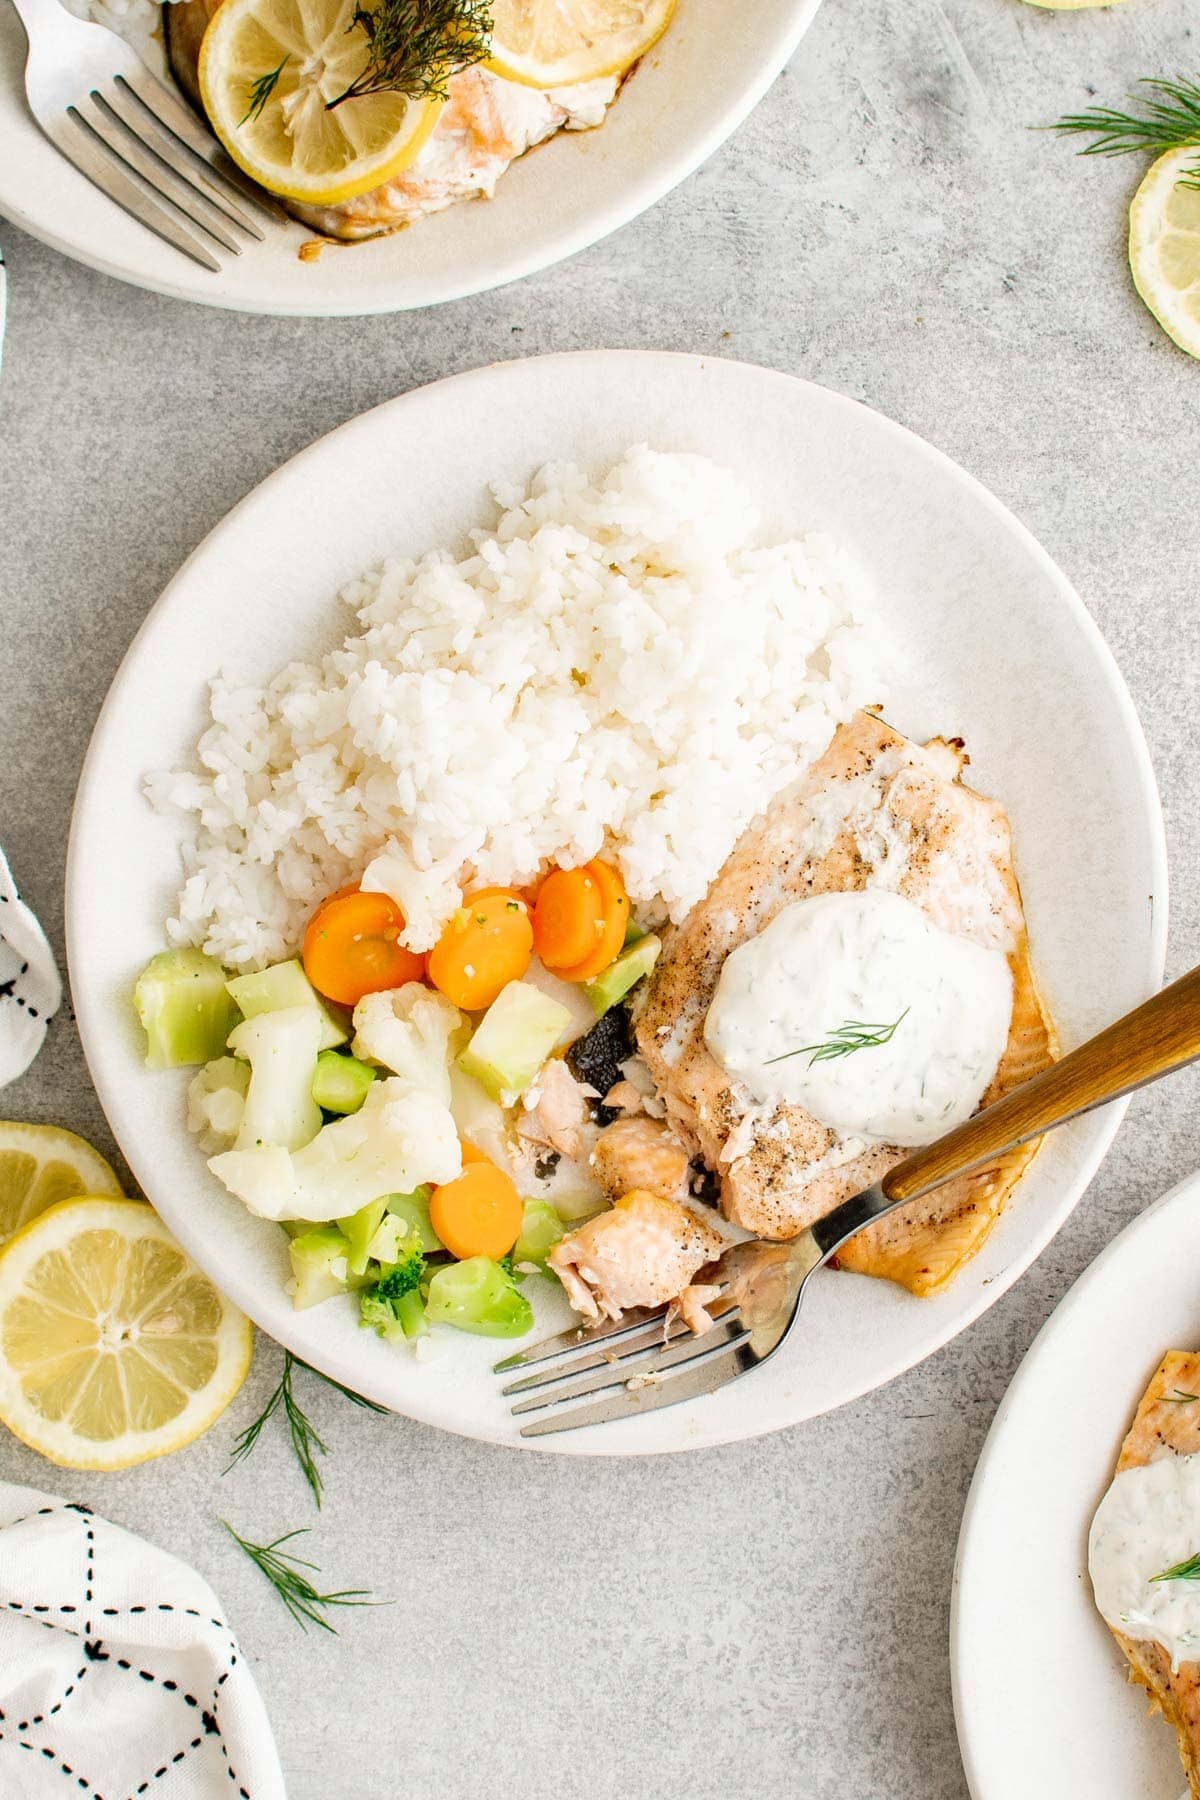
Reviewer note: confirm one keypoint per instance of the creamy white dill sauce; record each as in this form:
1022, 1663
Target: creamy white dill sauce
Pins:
1148, 1522
864, 958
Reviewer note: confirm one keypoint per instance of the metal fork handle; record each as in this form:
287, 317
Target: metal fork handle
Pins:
1158, 1037
33, 13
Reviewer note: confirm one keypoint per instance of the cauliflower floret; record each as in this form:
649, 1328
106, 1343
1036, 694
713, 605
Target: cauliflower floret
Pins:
216, 1100
426, 897
281, 1048
410, 1030
400, 1139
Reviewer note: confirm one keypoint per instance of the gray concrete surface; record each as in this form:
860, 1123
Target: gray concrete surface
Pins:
770, 1617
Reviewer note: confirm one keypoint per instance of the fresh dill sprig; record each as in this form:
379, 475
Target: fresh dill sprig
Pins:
306, 1440
844, 1040
1169, 122
414, 46
261, 89
1184, 1571
285, 1573
1179, 1398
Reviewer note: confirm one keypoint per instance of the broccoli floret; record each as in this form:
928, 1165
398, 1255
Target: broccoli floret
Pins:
392, 1306
405, 1274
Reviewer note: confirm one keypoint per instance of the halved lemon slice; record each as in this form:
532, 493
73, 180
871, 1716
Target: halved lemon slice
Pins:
113, 1346
1164, 246
554, 43
40, 1164
269, 68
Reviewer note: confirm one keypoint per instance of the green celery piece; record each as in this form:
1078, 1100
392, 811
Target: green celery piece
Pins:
181, 1000
359, 1228
613, 983
410, 1310
478, 1296
341, 1082
413, 1209
286, 984
541, 1229
513, 1039
315, 1256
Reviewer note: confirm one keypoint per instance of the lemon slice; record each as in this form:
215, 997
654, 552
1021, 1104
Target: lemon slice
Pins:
267, 69
113, 1346
40, 1164
554, 43
1164, 247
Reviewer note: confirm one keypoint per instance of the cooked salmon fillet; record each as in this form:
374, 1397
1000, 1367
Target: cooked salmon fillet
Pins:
486, 124
1165, 1427
877, 810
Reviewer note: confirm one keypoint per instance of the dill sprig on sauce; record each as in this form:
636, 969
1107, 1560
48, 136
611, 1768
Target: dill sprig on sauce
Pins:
414, 46
285, 1572
1184, 1571
306, 1440
1179, 1398
844, 1040
261, 89
1171, 121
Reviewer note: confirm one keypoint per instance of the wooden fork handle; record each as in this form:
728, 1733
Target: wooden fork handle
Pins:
1161, 1035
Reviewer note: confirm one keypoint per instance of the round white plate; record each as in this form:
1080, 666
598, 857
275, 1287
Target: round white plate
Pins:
1044, 1708
998, 648
696, 86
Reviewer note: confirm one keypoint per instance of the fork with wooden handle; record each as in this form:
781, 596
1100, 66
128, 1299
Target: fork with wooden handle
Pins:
651, 1363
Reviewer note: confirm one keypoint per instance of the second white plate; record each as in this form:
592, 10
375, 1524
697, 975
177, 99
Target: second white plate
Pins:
714, 64
1043, 1705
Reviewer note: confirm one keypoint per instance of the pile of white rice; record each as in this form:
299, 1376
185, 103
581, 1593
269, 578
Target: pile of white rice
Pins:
619, 667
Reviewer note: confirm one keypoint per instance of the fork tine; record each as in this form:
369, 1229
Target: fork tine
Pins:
577, 1337
642, 1365
179, 119
81, 146
648, 1337
703, 1375
144, 124
169, 186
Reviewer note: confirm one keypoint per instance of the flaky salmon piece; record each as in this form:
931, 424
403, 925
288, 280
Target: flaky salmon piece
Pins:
1166, 1427
644, 1252
486, 124
877, 810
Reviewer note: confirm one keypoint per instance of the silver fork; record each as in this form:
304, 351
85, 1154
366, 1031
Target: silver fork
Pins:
98, 103
651, 1363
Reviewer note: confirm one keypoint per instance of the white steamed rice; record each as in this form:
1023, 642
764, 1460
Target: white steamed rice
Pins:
619, 666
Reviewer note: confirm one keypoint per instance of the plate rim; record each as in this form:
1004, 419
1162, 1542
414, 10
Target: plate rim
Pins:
1157, 883
1023, 1382
654, 184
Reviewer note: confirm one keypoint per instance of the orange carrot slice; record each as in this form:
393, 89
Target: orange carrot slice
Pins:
352, 947
569, 916
487, 944
609, 934
479, 1213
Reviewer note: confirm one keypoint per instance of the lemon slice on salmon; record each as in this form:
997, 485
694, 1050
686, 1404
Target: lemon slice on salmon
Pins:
1164, 246
40, 1164
555, 43
114, 1348
268, 72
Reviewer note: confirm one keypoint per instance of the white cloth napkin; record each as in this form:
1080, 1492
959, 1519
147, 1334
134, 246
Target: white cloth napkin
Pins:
30, 990
119, 1678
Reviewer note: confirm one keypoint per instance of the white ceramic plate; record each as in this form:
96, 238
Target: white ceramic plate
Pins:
999, 649
1044, 1709
696, 86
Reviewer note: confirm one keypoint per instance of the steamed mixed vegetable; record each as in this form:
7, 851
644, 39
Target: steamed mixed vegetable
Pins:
361, 1095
